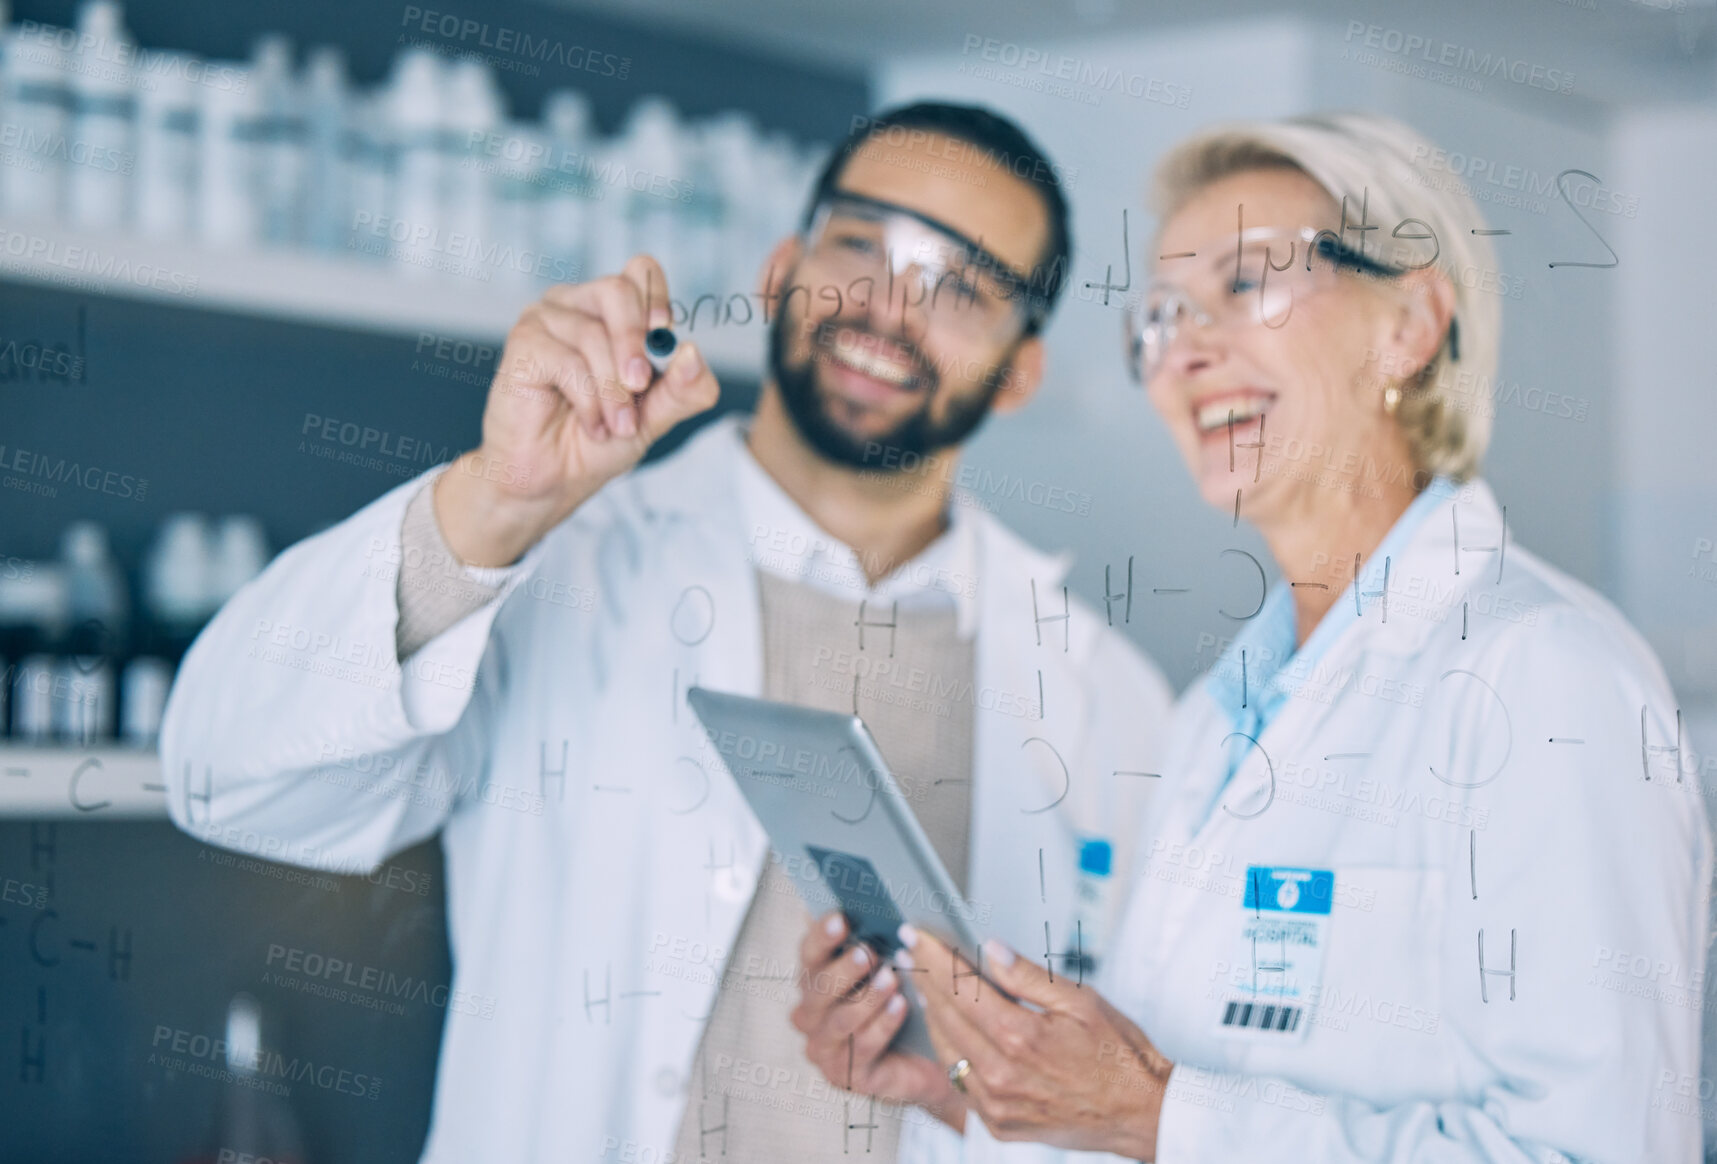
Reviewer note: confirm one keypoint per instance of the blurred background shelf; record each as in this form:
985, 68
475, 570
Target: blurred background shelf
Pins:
62, 782
302, 287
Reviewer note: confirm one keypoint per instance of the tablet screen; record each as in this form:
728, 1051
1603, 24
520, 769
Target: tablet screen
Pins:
869, 911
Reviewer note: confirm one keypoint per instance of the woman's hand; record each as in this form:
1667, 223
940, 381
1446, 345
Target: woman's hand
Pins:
1079, 1075
850, 1008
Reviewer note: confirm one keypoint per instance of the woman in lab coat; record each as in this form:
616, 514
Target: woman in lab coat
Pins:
1426, 878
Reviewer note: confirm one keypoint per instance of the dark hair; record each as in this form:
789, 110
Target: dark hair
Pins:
1004, 146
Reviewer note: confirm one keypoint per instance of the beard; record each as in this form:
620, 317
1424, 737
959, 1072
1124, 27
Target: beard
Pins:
921, 434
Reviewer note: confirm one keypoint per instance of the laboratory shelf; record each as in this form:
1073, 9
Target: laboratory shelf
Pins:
337, 290
103, 782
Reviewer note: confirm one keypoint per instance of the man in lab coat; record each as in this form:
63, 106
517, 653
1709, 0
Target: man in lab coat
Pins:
499, 652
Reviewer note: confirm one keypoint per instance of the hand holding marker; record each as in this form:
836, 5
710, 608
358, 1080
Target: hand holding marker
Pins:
583, 389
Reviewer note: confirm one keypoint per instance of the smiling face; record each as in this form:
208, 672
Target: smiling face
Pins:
861, 368
1304, 379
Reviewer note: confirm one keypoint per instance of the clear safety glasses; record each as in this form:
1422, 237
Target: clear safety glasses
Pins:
867, 248
1247, 280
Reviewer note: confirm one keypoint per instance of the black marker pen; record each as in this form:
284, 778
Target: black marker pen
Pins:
660, 344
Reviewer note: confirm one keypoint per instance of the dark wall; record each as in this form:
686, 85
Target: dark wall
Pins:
121, 946
812, 103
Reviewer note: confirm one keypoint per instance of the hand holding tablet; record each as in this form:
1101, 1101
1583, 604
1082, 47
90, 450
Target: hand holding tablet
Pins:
840, 826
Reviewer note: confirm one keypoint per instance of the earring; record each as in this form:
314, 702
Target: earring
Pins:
1391, 399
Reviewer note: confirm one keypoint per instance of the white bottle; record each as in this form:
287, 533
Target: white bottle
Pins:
569, 190
101, 152
281, 164
36, 101
328, 124
238, 553
84, 703
177, 585
517, 157
370, 164
166, 178
95, 589
474, 113
227, 214
143, 691
33, 614
730, 144
33, 700
612, 238
416, 124
96, 613
702, 210
656, 177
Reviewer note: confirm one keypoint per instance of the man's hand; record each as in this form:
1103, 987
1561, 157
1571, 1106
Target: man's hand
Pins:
572, 406
850, 1006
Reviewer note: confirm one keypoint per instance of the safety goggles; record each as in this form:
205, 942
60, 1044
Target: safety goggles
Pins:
866, 246
1247, 280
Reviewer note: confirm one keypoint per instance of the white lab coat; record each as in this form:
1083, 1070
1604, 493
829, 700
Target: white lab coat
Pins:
589, 912
1600, 872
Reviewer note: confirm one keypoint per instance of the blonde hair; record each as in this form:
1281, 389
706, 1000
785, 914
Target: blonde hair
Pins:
1445, 410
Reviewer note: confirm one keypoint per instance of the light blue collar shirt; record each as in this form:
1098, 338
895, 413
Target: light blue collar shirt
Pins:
1255, 675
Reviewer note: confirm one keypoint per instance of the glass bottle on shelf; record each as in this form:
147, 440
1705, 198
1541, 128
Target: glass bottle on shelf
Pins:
515, 162
331, 162
654, 183
143, 688
177, 584
282, 163
32, 621
702, 209
415, 126
36, 97
370, 156
85, 683
730, 153
101, 155
166, 174
238, 551
474, 112
227, 214
565, 212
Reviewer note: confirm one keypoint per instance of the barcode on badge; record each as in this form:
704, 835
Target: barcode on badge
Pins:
1260, 1017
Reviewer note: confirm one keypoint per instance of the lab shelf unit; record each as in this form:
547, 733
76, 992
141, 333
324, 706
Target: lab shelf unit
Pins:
332, 290
62, 782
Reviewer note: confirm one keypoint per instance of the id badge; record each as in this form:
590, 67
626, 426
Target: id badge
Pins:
1277, 958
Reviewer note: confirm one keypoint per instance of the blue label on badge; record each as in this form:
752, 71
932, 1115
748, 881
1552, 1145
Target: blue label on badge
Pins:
1289, 890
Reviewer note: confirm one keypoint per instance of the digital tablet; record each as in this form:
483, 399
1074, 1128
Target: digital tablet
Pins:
844, 833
